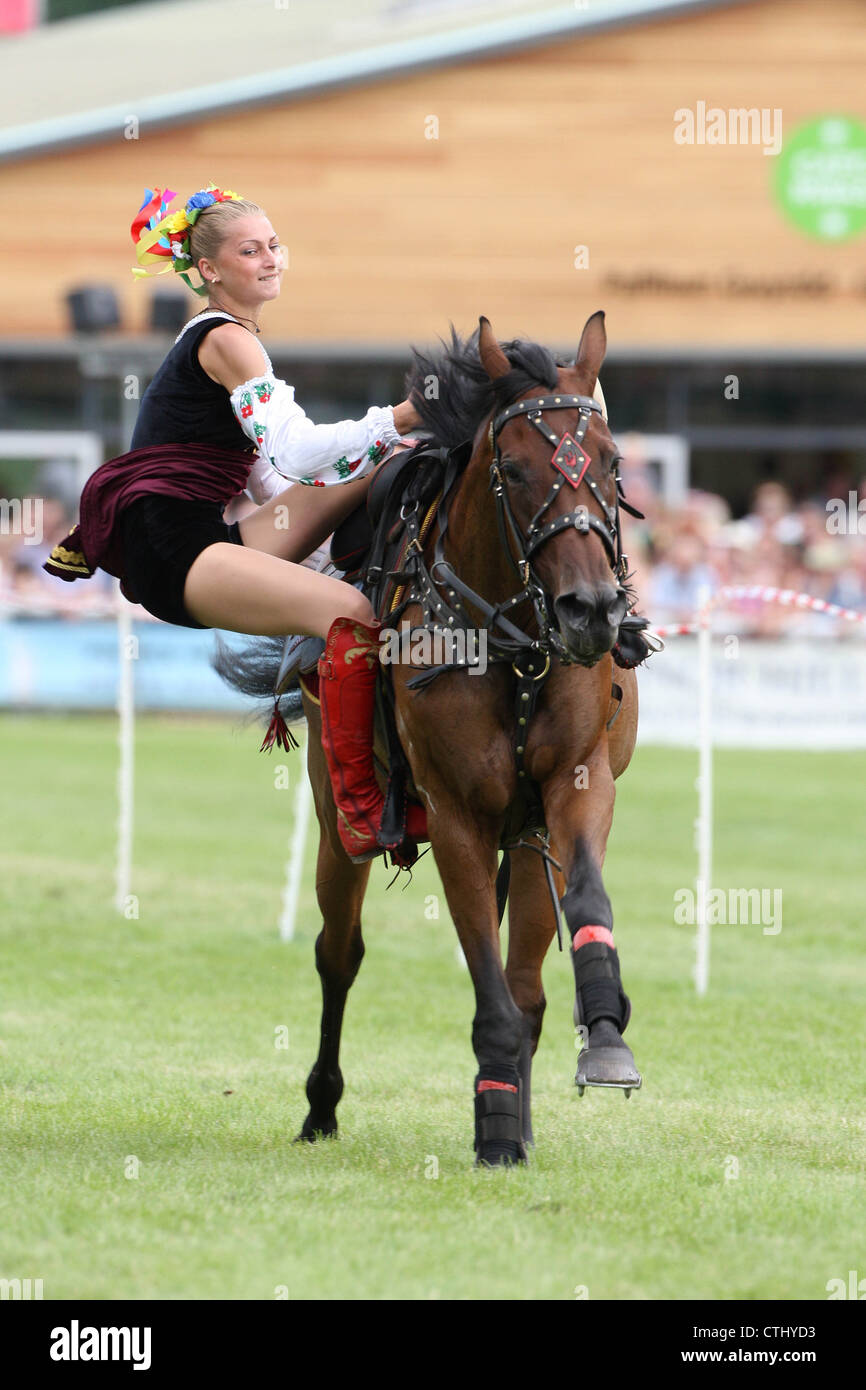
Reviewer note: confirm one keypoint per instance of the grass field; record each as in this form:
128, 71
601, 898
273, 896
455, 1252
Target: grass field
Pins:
146, 1112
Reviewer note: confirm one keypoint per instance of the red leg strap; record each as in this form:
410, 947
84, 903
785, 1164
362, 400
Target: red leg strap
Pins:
587, 934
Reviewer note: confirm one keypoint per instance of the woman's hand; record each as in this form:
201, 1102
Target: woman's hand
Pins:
406, 417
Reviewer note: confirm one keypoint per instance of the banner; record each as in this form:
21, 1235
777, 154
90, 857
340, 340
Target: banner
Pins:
794, 693
797, 693
57, 664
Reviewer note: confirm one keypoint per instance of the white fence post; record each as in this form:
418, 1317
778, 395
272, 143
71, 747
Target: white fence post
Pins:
705, 792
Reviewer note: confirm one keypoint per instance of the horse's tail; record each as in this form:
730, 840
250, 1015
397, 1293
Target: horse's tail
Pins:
252, 668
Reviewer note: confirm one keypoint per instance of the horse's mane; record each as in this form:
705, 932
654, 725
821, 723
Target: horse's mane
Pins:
452, 392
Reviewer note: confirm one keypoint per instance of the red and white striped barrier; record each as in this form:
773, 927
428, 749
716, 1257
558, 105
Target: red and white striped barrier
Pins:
761, 593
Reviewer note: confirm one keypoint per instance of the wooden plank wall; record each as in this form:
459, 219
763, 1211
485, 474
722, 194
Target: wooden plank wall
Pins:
392, 234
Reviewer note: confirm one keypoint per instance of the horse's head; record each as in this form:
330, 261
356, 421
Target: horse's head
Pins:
556, 466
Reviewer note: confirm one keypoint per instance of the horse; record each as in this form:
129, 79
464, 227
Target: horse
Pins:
522, 757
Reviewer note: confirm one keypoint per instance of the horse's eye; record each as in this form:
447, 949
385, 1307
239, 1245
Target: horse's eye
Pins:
511, 472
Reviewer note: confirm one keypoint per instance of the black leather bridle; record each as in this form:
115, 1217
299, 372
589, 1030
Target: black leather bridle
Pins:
507, 642
573, 463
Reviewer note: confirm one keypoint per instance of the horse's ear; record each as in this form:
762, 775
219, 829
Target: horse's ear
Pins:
493, 359
592, 347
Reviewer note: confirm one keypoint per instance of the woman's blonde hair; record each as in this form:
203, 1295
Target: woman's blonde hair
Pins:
183, 238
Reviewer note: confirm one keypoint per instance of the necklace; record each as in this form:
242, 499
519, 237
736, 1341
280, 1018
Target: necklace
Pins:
239, 317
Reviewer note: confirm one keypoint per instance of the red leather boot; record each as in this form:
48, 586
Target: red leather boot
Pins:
348, 669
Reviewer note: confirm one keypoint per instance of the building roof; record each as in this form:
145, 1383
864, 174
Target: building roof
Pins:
166, 63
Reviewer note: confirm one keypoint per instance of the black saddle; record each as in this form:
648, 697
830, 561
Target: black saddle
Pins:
362, 542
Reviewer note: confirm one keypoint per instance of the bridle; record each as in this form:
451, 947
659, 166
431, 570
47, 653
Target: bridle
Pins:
573, 463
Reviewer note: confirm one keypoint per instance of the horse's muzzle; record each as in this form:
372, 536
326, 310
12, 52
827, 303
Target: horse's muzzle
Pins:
588, 620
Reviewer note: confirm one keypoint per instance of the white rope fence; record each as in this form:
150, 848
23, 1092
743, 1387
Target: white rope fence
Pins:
729, 595
126, 744
295, 866
114, 606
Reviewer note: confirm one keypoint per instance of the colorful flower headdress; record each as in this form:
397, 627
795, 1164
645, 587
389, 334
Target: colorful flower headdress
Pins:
161, 236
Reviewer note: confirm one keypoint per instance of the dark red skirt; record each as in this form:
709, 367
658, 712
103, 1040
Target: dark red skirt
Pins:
151, 547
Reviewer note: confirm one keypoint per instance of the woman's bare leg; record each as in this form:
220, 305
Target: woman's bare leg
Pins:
242, 589
295, 522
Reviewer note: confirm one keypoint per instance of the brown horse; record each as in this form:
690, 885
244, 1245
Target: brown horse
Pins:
542, 462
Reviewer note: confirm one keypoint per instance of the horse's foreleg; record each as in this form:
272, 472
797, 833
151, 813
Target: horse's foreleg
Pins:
531, 925
467, 863
340, 888
579, 817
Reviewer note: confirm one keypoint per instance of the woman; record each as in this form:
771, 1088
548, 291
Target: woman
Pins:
215, 421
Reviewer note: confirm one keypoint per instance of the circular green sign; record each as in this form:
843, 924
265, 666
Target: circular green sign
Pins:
820, 178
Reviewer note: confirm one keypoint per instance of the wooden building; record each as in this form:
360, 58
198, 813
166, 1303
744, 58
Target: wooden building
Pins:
532, 179
531, 161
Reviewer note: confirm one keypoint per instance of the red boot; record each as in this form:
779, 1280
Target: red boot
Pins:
347, 691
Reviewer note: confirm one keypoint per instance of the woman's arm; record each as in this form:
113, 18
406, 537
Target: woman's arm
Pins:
286, 439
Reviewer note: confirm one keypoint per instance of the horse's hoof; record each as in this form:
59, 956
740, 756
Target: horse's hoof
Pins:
580, 1089
501, 1159
608, 1066
310, 1134
627, 1092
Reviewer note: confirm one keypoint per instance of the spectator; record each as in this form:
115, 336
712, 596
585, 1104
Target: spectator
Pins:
680, 578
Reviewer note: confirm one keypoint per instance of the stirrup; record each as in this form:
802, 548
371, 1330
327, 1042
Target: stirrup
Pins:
300, 654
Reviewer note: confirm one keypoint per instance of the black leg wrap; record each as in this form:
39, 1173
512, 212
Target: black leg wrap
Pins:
599, 991
498, 1121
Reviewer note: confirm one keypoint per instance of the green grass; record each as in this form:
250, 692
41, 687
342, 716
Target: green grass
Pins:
120, 1039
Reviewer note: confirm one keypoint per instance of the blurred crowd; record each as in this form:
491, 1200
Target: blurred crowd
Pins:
782, 543
675, 553
25, 588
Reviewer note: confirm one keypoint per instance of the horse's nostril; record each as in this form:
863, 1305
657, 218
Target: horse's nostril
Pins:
572, 612
578, 611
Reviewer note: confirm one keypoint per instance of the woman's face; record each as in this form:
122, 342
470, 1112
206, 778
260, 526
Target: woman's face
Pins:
250, 261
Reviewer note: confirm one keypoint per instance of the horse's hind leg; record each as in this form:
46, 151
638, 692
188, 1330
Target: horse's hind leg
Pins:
531, 925
340, 888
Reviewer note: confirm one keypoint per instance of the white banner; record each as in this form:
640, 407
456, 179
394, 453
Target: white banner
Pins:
793, 693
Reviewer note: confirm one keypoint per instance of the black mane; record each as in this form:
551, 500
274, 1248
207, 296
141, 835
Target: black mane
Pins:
464, 393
